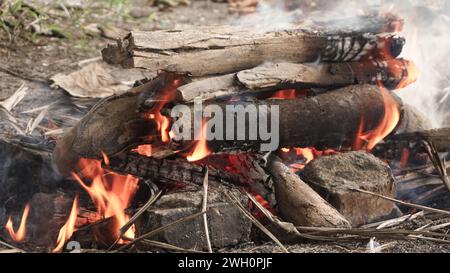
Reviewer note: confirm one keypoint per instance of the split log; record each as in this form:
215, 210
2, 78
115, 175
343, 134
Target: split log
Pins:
271, 77
300, 204
276, 76
221, 50
290, 75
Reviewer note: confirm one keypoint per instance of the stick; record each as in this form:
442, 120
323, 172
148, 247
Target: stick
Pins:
204, 207
236, 202
170, 247
438, 163
12, 247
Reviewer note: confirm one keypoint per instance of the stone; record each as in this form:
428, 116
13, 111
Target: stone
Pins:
334, 178
227, 225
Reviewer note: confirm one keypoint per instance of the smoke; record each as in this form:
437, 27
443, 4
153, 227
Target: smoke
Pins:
427, 25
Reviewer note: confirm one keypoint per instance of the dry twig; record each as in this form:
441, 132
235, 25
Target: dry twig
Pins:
204, 207
255, 221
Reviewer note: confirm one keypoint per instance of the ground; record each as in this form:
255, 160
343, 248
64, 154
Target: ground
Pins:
36, 57
38, 41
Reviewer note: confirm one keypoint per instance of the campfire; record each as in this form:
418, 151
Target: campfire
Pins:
290, 135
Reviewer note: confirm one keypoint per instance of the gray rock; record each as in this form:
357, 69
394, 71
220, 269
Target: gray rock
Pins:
227, 225
334, 177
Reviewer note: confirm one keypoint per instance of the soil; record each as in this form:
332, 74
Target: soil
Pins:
28, 60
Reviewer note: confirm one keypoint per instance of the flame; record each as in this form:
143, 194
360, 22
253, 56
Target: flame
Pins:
145, 150
69, 227
404, 158
287, 94
165, 123
305, 155
111, 193
387, 124
411, 74
200, 149
167, 95
20, 235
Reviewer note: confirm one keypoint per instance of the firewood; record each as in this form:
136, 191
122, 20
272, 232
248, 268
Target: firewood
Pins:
439, 137
174, 171
220, 50
276, 76
298, 203
310, 122
324, 75
115, 124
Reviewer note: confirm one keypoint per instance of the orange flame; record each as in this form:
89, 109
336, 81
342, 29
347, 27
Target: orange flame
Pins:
306, 155
387, 124
412, 74
111, 192
69, 227
287, 94
145, 150
20, 235
166, 96
200, 149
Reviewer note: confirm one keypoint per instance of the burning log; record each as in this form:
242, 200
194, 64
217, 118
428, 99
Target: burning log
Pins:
310, 122
300, 204
233, 49
272, 77
241, 170
390, 73
115, 124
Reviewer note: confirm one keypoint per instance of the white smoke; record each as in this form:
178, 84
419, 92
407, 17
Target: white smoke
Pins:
427, 30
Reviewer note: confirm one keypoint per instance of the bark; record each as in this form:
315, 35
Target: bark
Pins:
298, 203
221, 50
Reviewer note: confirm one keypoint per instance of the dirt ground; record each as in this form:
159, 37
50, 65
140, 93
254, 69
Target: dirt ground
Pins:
83, 32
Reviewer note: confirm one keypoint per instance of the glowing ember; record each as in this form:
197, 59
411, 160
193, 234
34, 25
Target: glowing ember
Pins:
304, 156
287, 94
145, 150
405, 157
69, 227
387, 124
200, 149
20, 235
111, 192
